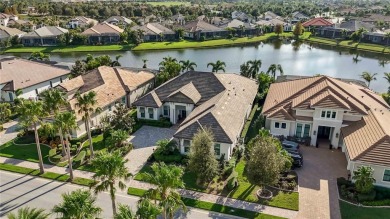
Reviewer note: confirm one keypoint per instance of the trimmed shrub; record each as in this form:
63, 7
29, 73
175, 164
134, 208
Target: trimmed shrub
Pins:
385, 202
366, 197
343, 181
173, 158
1, 128
232, 181
95, 132
382, 193
227, 171
52, 152
163, 122
79, 159
56, 158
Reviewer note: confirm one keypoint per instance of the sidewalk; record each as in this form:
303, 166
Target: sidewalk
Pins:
185, 193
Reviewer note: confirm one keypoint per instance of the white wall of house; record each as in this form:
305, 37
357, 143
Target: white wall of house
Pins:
4, 21
32, 91
224, 148
280, 127
379, 172
170, 112
335, 123
148, 113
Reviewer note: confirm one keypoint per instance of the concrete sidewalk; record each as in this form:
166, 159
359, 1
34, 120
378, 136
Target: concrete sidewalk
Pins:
185, 193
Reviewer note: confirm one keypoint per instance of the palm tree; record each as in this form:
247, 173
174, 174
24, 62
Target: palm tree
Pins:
146, 209
368, 77
29, 213
387, 36
218, 66
110, 170
387, 77
86, 104
67, 122
144, 60
273, 68
39, 56
360, 33
167, 179
344, 33
53, 100
31, 114
255, 67
187, 65
78, 204
364, 179
125, 212
116, 61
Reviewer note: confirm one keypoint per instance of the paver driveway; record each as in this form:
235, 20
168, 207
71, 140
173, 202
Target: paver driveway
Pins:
144, 141
317, 182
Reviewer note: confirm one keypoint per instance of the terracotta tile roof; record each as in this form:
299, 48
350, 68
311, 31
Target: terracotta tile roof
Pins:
200, 25
22, 73
328, 100
317, 22
9, 31
282, 114
134, 78
47, 31
103, 29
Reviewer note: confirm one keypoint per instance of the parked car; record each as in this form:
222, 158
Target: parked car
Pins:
297, 159
290, 145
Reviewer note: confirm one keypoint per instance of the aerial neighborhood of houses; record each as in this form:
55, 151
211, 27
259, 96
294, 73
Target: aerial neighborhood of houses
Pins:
240, 140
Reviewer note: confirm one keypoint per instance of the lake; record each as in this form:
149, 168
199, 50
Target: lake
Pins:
296, 59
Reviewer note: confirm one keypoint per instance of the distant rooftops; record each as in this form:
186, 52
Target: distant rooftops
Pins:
47, 31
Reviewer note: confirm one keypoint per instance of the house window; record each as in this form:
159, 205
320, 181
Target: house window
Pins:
186, 144
323, 114
284, 125
217, 149
11, 97
328, 114
142, 111
277, 125
298, 131
306, 130
386, 176
166, 111
333, 115
123, 100
150, 112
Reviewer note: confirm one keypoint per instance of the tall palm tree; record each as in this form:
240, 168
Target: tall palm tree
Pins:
167, 179
360, 33
255, 67
217, 66
387, 77
124, 212
187, 65
368, 77
146, 209
67, 122
144, 61
31, 114
29, 213
364, 179
78, 204
53, 100
110, 170
273, 68
86, 107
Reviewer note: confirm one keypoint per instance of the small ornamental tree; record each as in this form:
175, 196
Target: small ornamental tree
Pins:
298, 29
266, 160
278, 29
202, 159
364, 181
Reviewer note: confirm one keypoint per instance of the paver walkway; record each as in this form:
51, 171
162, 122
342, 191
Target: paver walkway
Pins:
318, 196
144, 142
9, 133
185, 193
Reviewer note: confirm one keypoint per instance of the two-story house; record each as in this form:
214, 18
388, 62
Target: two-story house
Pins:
337, 113
195, 100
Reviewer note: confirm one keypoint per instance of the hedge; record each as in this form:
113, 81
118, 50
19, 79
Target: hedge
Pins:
157, 123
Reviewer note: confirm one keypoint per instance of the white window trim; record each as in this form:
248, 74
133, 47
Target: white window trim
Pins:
331, 113
280, 125
383, 176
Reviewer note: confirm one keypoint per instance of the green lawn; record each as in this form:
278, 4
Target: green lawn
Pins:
64, 49
24, 152
169, 3
212, 207
349, 211
47, 175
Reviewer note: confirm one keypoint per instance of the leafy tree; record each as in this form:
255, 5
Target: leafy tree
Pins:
368, 77
245, 70
79, 39
364, 180
146, 209
180, 32
255, 67
110, 171
78, 204
387, 77
79, 68
278, 29
273, 68
5, 112
29, 213
202, 158
265, 162
66, 122
86, 107
169, 68
121, 118
187, 65
167, 179
125, 212
39, 56
217, 66
298, 29
118, 138
31, 114
265, 80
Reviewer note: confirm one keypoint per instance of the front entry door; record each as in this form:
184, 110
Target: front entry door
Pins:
323, 132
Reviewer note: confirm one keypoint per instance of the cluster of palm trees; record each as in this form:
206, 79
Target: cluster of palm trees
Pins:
368, 77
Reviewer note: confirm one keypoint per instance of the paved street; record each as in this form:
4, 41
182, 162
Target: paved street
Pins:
18, 190
9, 133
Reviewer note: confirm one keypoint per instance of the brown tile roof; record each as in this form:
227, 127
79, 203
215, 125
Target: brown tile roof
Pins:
21, 73
282, 114
317, 22
328, 100
134, 78
103, 29
10, 31
186, 94
200, 25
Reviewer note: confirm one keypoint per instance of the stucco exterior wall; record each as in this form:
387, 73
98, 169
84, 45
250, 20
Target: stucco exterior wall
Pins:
378, 172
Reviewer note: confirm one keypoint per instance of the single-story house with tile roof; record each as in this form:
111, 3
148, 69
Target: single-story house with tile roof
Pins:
273, 22
29, 76
103, 33
376, 37
298, 16
44, 36
195, 100
335, 112
154, 32
199, 28
7, 32
82, 22
23, 25
249, 29
119, 21
112, 86
317, 22
350, 27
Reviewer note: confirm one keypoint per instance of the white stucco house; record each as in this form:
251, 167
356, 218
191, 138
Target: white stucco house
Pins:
340, 113
28, 76
112, 86
195, 100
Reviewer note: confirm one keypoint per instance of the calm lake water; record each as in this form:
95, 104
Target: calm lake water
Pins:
303, 59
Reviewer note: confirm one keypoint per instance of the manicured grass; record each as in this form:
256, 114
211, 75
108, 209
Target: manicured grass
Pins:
349, 211
46, 175
63, 49
24, 152
98, 145
212, 206
248, 122
350, 44
210, 43
169, 3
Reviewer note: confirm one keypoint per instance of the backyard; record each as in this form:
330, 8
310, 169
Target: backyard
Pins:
349, 211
